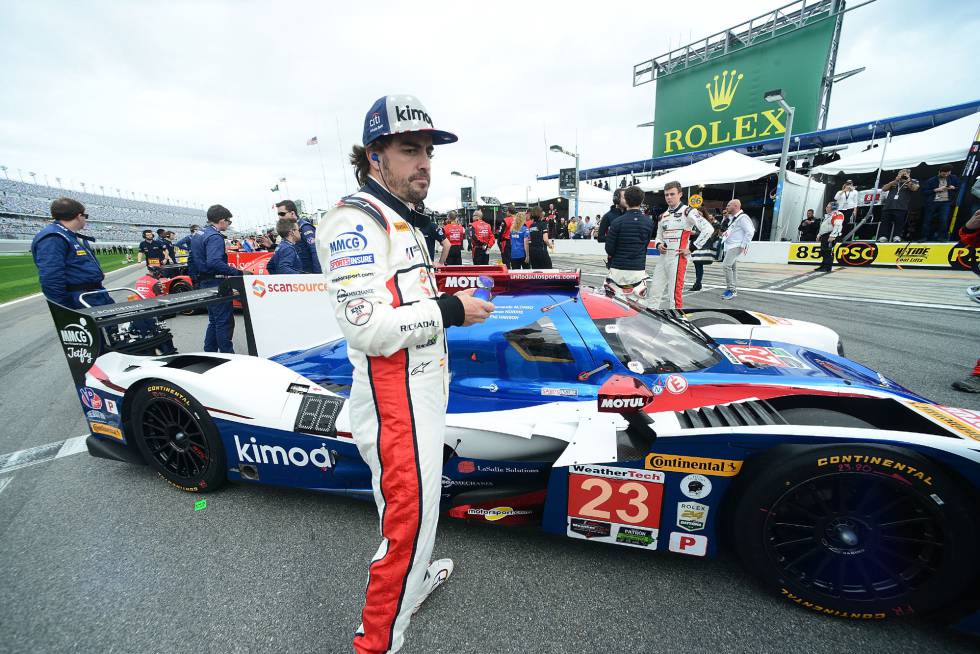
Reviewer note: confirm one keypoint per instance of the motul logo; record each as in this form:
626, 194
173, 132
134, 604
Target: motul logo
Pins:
622, 403
461, 282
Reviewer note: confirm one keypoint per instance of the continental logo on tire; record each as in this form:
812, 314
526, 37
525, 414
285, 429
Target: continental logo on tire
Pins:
674, 463
871, 463
837, 613
857, 253
166, 391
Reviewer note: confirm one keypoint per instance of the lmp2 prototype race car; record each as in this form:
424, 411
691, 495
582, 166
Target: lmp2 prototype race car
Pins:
593, 418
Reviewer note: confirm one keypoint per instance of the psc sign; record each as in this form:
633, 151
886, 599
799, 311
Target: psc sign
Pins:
857, 253
963, 257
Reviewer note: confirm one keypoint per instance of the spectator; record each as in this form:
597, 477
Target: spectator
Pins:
707, 254
584, 228
626, 245
735, 243
503, 236
286, 261
939, 195
895, 206
538, 241
809, 227
573, 227
830, 231
615, 211
481, 239
847, 202
519, 243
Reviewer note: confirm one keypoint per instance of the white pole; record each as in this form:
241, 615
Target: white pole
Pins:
323, 171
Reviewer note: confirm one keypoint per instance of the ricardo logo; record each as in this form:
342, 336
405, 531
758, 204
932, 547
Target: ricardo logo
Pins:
857, 254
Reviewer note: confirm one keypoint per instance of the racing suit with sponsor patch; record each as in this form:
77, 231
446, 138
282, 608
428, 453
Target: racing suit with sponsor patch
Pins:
674, 231
384, 294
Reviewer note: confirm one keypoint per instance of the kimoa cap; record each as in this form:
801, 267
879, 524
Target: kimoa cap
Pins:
401, 114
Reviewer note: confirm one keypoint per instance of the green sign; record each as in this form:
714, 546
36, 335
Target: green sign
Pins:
720, 103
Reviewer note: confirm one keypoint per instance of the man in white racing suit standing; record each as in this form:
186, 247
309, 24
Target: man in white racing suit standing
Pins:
381, 284
673, 241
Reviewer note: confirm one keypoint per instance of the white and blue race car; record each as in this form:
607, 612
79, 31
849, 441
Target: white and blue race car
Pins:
593, 418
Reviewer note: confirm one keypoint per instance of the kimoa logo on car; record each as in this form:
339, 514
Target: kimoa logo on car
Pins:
253, 452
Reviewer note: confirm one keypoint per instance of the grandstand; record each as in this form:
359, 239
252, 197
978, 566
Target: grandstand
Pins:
25, 209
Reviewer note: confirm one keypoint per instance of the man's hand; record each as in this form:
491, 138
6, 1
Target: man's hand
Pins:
662, 247
684, 252
477, 310
745, 250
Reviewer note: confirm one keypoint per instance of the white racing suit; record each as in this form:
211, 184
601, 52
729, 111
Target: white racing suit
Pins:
384, 294
674, 231
627, 284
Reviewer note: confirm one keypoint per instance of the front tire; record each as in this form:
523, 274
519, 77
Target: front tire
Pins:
178, 438
858, 531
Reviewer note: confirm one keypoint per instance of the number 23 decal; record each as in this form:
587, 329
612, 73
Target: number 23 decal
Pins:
615, 500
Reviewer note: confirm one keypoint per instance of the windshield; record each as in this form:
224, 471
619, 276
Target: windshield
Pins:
649, 343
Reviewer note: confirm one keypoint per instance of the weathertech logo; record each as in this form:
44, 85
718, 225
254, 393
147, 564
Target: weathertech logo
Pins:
723, 93
716, 467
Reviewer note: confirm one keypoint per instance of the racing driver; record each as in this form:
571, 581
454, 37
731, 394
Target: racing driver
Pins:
381, 285
673, 241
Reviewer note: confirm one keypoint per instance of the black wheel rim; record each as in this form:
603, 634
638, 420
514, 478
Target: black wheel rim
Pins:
175, 439
855, 537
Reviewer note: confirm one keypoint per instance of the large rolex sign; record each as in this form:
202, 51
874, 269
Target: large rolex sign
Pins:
720, 103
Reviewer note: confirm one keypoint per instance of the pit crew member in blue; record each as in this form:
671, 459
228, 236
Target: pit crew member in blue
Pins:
286, 261
383, 292
65, 262
211, 264
306, 246
151, 249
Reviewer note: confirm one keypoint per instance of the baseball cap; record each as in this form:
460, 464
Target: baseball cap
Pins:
400, 114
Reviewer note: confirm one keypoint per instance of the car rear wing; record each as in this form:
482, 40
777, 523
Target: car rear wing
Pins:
130, 327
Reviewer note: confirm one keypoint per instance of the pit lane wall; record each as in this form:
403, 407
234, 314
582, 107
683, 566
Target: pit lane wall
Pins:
856, 254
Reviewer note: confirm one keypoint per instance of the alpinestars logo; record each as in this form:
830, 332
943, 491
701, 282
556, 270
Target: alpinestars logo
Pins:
409, 112
253, 452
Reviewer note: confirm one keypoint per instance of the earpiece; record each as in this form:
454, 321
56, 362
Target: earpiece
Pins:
374, 156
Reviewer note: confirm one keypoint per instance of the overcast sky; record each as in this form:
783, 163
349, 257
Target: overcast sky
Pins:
212, 102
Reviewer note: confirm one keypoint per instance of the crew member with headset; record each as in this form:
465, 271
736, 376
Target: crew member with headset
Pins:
481, 239
152, 250
454, 233
386, 302
538, 240
211, 262
306, 247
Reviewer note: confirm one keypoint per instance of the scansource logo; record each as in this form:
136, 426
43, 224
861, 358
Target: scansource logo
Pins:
260, 288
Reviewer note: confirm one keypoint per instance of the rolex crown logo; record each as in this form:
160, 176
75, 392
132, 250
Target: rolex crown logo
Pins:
723, 91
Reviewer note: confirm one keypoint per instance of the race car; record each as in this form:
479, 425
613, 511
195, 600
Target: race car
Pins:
595, 419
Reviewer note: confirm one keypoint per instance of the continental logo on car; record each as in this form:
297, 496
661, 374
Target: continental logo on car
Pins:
106, 430
674, 463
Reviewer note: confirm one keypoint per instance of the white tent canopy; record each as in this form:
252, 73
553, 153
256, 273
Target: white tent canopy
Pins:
724, 168
939, 145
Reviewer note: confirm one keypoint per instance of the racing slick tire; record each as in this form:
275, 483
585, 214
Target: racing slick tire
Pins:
180, 286
177, 437
868, 532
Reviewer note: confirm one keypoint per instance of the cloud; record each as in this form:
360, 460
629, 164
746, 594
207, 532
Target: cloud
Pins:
213, 101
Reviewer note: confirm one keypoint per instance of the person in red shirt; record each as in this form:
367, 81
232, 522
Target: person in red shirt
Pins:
503, 237
481, 239
453, 232
970, 236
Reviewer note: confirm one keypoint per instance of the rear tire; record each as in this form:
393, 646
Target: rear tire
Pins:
177, 437
858, 531
180, 286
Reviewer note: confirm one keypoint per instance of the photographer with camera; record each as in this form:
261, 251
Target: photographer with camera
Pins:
895, 206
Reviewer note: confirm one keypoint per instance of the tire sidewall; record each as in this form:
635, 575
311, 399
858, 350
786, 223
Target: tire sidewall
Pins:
957, 570
214, 476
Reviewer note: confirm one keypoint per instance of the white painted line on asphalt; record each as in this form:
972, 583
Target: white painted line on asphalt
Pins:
861, 300
42, 454
4, 482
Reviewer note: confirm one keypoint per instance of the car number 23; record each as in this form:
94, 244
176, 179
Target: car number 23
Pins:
615, 500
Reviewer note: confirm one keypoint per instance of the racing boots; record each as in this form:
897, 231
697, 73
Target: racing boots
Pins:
435, 575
